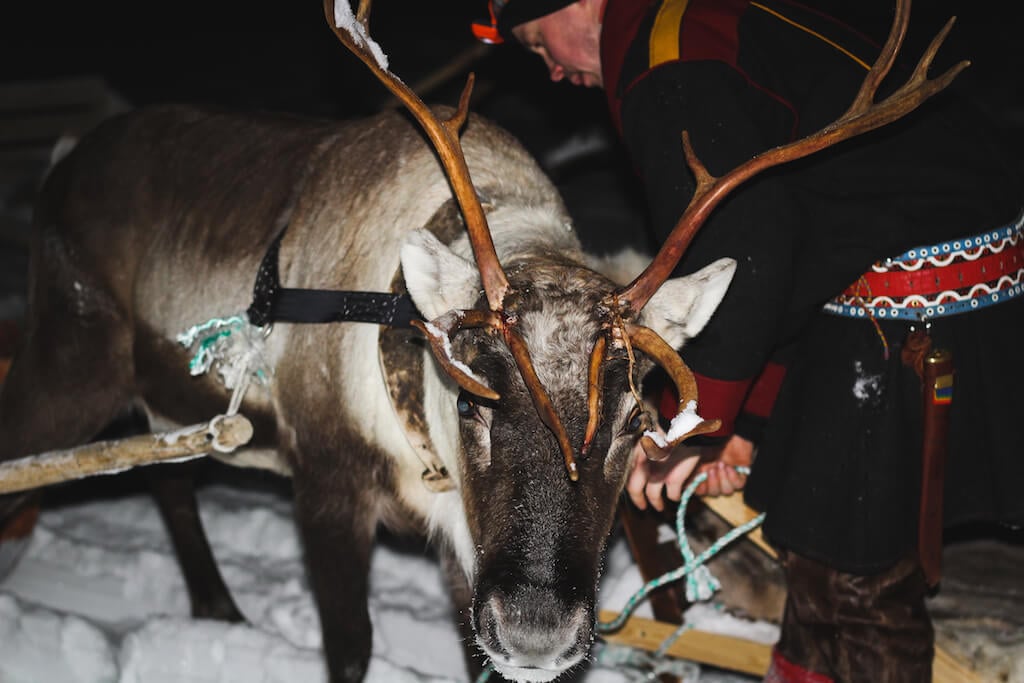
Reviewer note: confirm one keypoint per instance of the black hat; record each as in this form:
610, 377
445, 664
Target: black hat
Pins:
507, 14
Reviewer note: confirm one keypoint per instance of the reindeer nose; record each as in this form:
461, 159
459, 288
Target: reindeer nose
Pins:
531, 634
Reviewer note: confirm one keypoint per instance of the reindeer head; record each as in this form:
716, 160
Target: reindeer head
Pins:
540, 534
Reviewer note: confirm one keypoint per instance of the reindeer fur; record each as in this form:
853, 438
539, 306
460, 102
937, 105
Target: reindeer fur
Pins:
158, 221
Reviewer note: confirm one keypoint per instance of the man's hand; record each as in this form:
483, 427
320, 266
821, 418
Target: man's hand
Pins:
659, 472
720, 466
663, 474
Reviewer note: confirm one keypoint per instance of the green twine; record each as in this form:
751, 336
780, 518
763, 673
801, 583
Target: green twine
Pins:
221, 327
200, 360
231, 344
700, 583
690, 562
189, 336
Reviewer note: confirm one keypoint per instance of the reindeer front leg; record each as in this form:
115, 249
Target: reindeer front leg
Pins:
336, 517
174, 488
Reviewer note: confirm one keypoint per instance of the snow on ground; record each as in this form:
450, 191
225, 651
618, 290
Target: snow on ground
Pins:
97, 597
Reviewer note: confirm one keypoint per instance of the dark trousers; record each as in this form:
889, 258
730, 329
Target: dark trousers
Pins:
850, 628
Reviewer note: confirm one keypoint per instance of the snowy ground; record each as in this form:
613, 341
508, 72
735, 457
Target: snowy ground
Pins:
97, 597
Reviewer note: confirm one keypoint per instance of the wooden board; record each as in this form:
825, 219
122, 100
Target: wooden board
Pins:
735, 511
725, 652
739, 654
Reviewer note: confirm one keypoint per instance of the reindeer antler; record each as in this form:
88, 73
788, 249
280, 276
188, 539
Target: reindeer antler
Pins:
863, 115
353, 32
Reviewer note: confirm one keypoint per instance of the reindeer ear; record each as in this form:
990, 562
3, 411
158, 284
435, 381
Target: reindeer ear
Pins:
437, 278
683, 305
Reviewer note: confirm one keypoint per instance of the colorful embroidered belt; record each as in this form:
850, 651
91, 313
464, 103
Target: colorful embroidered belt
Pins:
943, 279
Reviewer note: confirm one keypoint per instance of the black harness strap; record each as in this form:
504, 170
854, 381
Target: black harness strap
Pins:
273, 303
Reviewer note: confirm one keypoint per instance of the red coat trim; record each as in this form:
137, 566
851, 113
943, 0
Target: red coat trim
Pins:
621, 22
709, 30
761, 398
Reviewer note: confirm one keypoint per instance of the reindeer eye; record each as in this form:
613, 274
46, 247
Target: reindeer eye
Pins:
637, 421
465, 406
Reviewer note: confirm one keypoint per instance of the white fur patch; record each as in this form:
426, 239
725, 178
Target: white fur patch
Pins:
683, 305
438, 279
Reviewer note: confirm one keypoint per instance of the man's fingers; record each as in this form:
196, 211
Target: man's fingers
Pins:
725, 484
655, 474
653, 491
674, 489
677, 477
722, 480
737, 480
637, 482
714, 481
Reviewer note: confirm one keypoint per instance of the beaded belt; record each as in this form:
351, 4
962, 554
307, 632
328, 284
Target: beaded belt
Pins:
944, 279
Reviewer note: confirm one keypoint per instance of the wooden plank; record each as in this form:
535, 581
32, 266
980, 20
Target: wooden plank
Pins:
725, 652
739, 654
653, 558
735, 511
948, 669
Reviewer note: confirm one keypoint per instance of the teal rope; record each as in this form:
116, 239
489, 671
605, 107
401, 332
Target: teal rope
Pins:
699, 583
690, 562
189, 336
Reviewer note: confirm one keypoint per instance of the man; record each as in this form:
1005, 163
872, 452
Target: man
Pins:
852, 264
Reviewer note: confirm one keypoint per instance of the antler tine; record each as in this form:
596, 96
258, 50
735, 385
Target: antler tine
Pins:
363, 14
541, 400
443, 135
648, 341
595, 390
886, 58
863, 115
440, 332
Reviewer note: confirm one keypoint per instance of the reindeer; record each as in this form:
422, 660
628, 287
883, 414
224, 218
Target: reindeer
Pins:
506, 437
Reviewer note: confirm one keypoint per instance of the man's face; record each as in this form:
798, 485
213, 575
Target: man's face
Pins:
569, 42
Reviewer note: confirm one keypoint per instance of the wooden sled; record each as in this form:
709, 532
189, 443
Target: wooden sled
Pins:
722, 651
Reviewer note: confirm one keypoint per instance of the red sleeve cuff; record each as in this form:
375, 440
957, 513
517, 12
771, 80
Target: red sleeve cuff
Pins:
762, 395
717, 399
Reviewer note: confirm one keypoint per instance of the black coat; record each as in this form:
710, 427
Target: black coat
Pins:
837, 469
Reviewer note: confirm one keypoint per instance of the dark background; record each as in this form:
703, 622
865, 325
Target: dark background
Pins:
281, 55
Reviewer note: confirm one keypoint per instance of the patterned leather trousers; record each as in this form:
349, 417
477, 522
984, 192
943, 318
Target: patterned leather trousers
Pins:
848, 628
